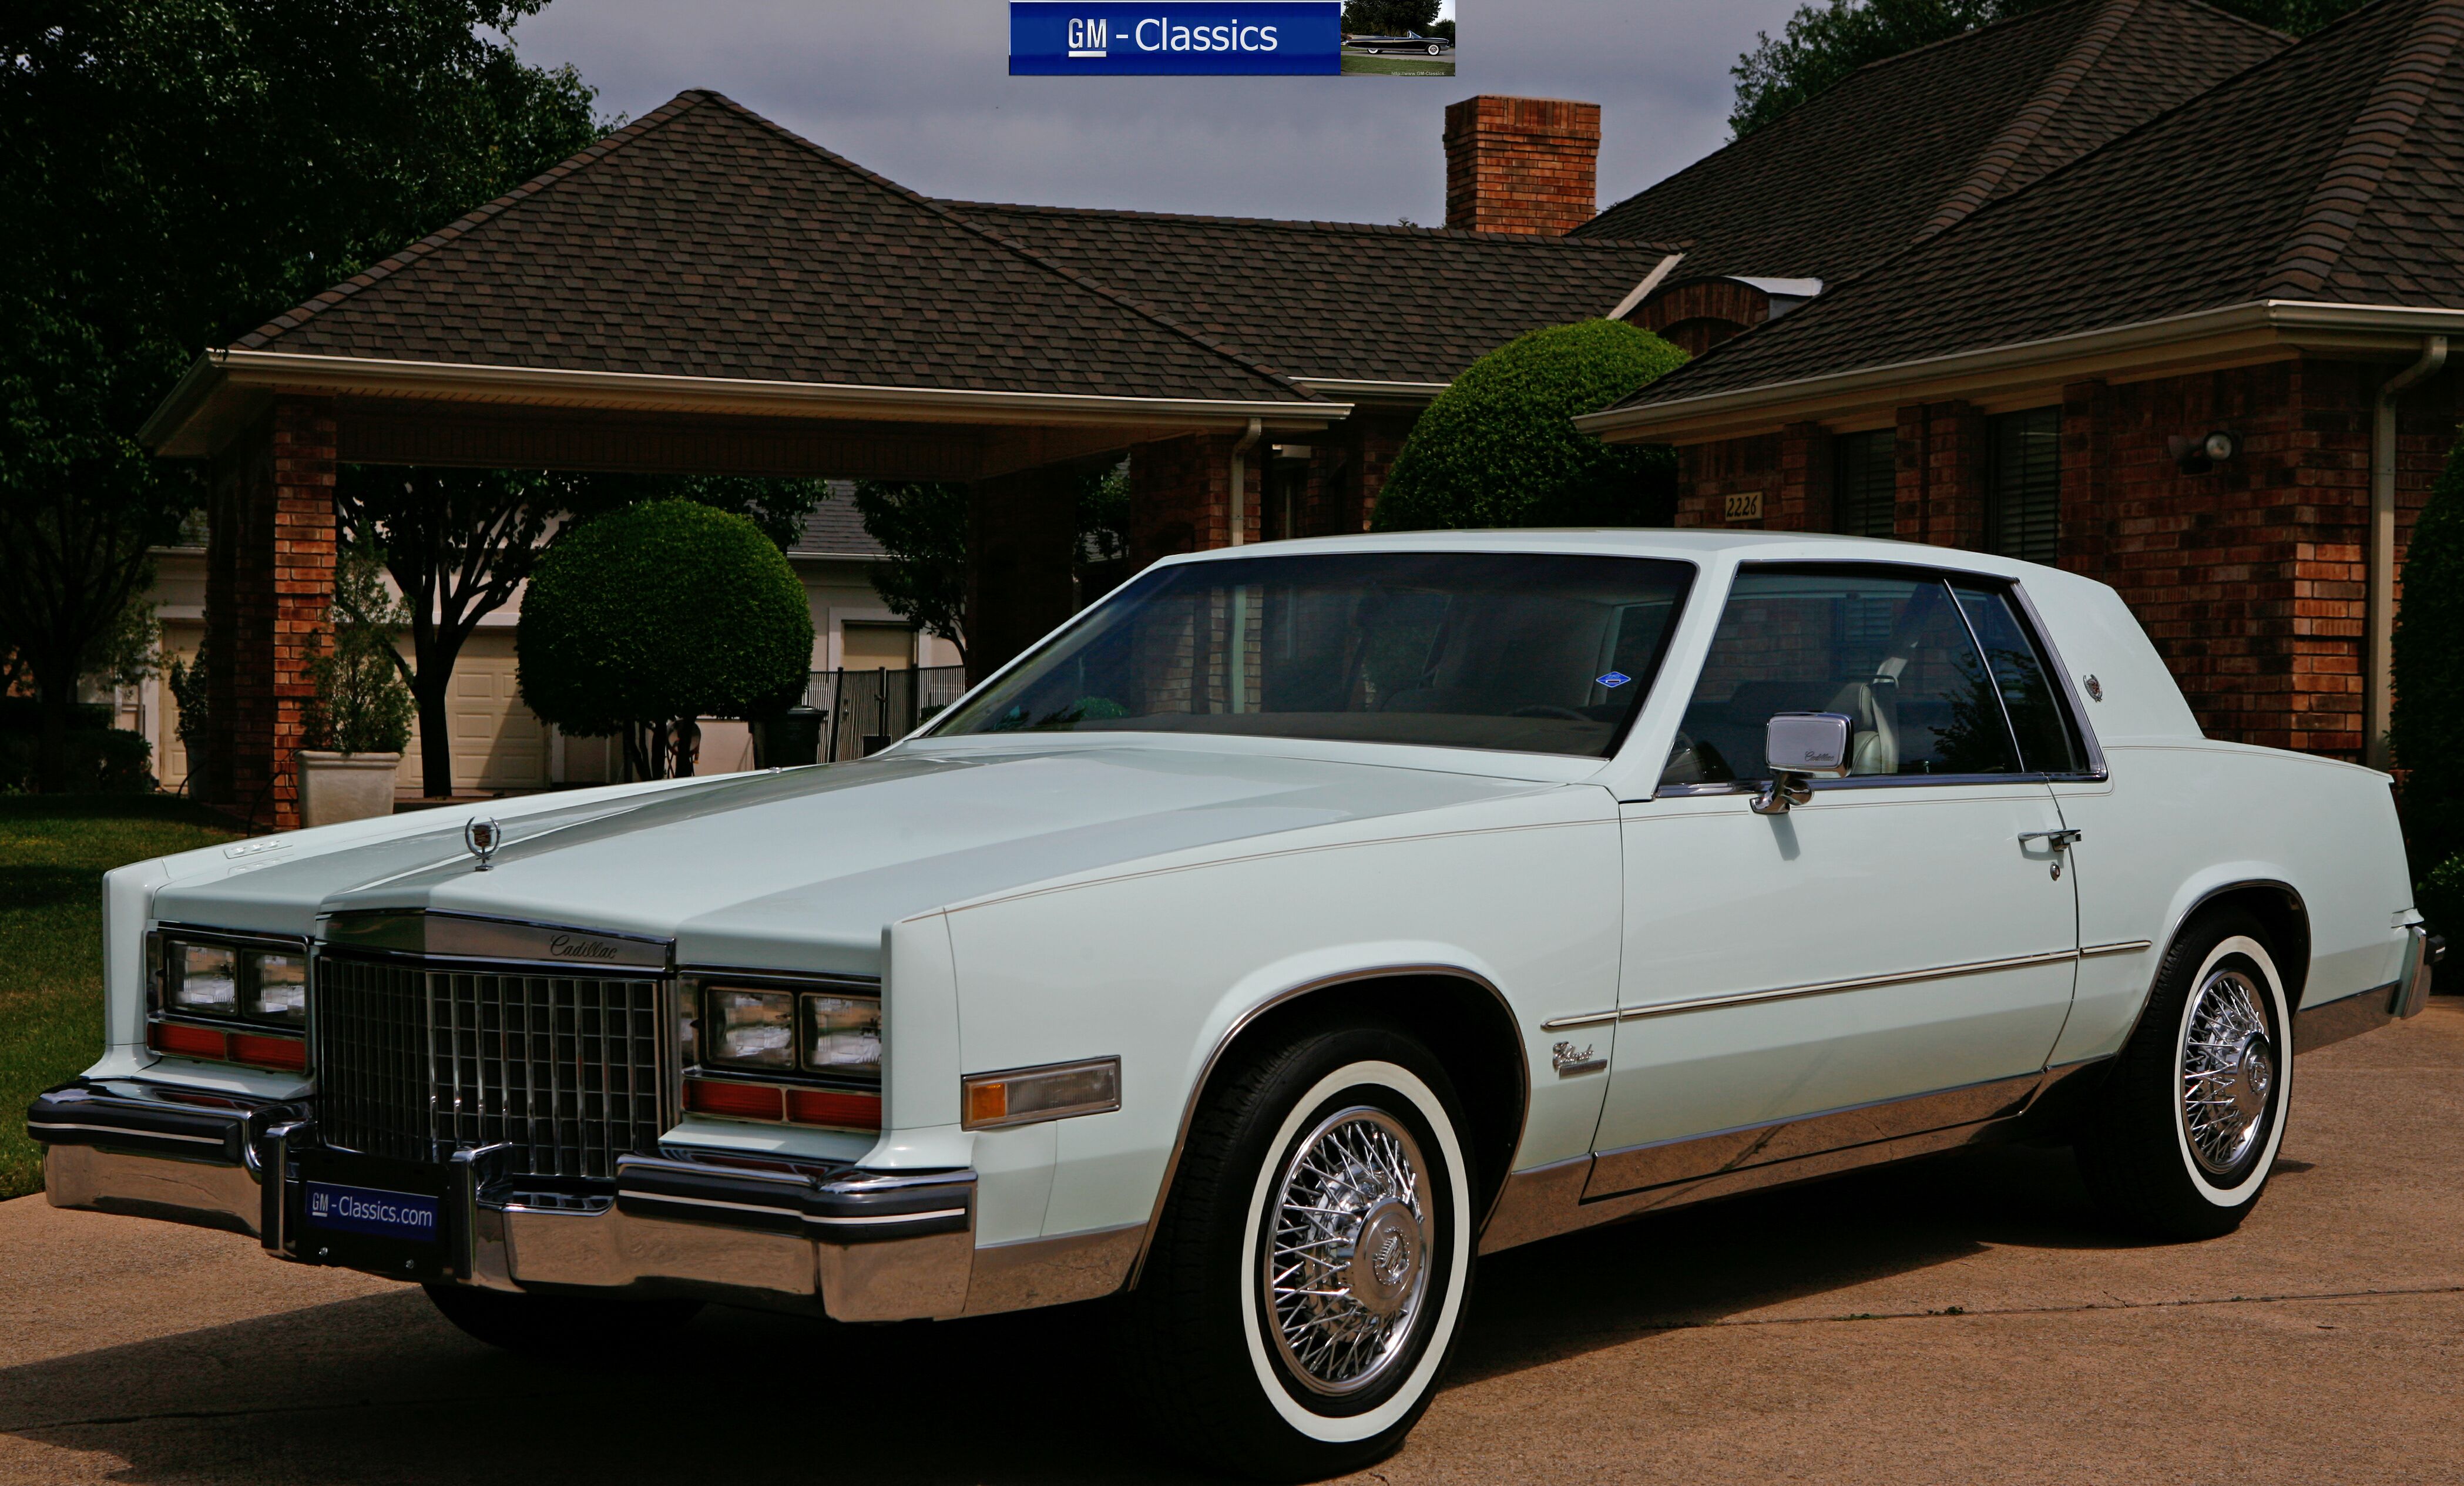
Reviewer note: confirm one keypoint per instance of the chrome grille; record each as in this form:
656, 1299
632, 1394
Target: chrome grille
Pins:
413, 1061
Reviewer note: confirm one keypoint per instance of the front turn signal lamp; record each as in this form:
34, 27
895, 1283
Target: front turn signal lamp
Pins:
1027, 1096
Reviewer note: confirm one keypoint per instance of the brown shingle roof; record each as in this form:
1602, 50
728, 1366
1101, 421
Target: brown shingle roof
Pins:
835, 528
1334, 300
704, 240
1908, 146
2331, 172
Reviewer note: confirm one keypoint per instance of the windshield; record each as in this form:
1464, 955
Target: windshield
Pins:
1531, 652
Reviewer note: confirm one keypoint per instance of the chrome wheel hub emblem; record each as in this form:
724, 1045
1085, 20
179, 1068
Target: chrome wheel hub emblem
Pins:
1385, 1259
2228, 1071
1347, 1264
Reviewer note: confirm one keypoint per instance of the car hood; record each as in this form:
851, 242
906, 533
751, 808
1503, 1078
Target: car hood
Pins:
800, 870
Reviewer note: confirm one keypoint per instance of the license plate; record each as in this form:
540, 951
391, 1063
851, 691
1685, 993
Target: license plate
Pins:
374, 1211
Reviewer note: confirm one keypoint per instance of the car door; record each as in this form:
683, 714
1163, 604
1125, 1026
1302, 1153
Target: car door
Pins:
1892, 957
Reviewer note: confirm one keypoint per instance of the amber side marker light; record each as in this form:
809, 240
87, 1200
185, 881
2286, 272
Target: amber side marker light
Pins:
1025, 1096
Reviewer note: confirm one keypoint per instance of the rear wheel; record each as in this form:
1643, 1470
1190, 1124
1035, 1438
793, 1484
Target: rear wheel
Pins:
2183, 1144
1315, 1258
559, 1326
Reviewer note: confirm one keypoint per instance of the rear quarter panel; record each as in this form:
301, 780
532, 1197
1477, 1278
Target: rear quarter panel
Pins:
1158, 964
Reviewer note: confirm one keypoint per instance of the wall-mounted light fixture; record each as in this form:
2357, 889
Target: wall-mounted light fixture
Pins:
2198, 455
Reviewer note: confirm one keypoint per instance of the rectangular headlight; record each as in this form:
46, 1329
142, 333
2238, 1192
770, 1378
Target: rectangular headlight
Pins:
277, 988
204, 980
841, 1035
750, 1028
1024, 1095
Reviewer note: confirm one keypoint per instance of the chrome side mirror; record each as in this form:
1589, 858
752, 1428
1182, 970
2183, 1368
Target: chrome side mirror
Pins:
1801, 746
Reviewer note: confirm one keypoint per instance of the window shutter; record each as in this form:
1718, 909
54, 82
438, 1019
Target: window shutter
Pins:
1865, 485
2023, 514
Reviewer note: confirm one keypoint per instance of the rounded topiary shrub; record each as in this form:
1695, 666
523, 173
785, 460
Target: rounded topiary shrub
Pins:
2427, 730
1496, 449
660, 613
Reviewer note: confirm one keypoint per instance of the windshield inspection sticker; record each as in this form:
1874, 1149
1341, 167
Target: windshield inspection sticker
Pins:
372, 1210
1614, 679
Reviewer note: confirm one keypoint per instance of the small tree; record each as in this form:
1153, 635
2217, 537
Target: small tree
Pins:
2427, 730
361, 705
923, 528
640, 622
1496, 450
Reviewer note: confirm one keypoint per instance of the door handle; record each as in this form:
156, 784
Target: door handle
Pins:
2059, 841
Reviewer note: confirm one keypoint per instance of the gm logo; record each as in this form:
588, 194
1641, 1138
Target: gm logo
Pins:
1054, 38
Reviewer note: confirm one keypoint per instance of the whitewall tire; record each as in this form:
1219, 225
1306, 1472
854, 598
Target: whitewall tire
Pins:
1316, 1257
2195, 1106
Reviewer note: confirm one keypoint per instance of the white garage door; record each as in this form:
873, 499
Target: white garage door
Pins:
498, 743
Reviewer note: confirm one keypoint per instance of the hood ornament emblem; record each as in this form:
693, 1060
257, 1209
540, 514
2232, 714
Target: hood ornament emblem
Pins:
482, 836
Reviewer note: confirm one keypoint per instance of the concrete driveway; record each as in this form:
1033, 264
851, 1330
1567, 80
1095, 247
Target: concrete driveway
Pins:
1963, 1320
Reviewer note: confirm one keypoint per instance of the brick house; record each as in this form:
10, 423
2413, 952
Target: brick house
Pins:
2037, 370
706, 292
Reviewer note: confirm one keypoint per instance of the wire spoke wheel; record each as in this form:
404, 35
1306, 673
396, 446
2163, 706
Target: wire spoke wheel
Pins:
1347, 1265
2228, 1070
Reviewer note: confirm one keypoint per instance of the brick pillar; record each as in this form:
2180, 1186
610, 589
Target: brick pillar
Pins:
1021, 543
1942, 475
269, 586
1520, 164
1802, 499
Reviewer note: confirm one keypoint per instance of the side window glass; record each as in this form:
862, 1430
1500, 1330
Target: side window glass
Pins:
1892, 652
2048, 742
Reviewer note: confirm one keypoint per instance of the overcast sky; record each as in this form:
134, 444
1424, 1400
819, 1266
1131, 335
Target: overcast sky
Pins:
920, 91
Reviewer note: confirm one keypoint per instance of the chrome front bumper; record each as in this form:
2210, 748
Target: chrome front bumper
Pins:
857, 1245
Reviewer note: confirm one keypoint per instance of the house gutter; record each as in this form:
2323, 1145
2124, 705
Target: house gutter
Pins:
2378, 703
182, 424
2255, 331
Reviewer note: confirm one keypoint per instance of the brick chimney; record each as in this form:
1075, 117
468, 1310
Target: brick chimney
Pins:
1520, 164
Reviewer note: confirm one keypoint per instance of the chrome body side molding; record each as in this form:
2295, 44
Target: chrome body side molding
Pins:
1829, 988
1589, 1190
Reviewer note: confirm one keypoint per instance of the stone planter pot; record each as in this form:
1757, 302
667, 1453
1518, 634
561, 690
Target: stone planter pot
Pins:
339, 786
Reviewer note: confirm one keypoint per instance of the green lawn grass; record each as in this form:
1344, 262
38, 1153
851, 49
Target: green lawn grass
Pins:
1423, 66
54, 851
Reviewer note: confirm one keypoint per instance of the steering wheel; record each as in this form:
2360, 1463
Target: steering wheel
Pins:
1544, 710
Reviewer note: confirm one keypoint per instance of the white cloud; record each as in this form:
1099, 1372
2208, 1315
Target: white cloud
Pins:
920, 90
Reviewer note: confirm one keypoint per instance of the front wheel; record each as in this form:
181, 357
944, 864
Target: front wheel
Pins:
2188, 1131
1315, 1258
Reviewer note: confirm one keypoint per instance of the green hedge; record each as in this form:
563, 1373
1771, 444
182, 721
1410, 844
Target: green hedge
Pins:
1495, 449
663, 610
101, 761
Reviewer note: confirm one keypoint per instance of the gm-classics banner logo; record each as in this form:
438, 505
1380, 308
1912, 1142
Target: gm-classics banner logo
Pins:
1061, 37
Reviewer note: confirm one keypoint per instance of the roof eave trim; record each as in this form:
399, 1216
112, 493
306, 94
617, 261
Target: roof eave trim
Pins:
179, 428
2276, 326
1368, 389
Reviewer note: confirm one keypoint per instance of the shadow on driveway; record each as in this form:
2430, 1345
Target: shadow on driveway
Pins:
380, 1389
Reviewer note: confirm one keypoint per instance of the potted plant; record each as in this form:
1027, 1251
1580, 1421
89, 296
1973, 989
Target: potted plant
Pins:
358, 723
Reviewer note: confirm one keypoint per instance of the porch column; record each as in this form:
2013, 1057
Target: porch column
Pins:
1022, 550
269, 586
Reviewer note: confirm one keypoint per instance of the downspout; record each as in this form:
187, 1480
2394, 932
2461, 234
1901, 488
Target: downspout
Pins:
1240, 519
2378, 703
1239, 691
